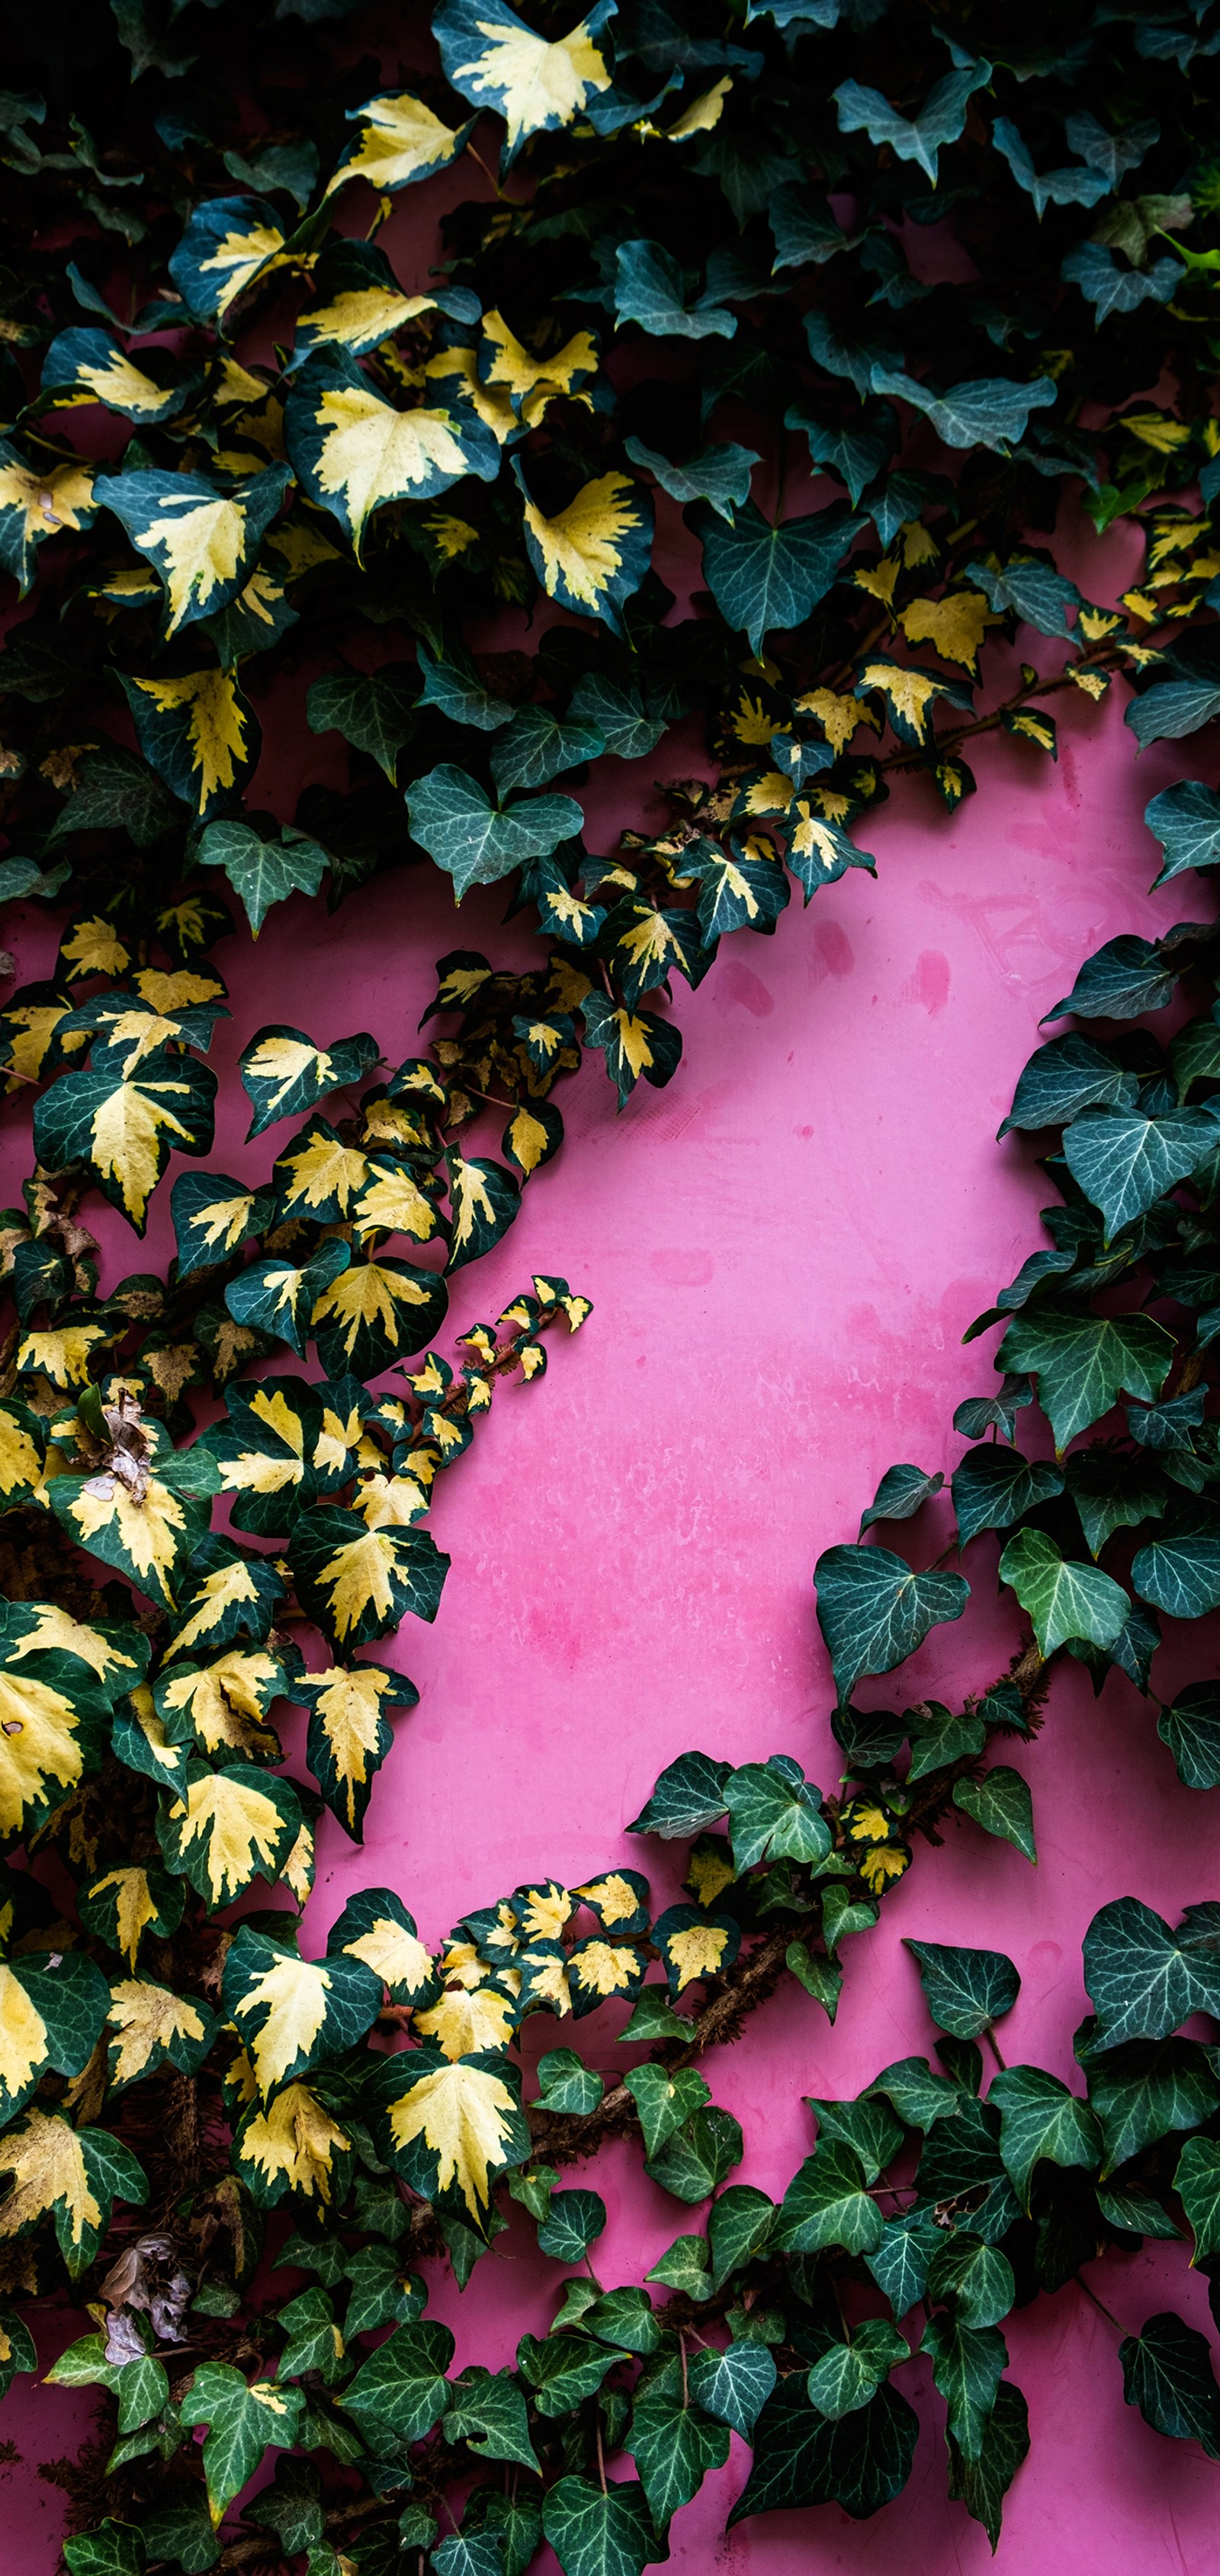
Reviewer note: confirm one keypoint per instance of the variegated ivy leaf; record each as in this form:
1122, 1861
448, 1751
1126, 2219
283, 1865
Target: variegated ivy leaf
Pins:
199, 733
743, 888
128, 1031
450, 2127
37, 501
909, 695
350, 1734
819, 852
224, 1592
292, 2145
22, 1442
278, 1299
219, 1709
228, 244
513, 373
145, 1535
693, 1943
284, 1073
375, 1312
598, 1969
63, 1353
398, 140
51, 2012
152, 2028
291, 2011
495, 60
634, 1043
534, 1133
397, 1199
359, 303
352, 451
125, 1903
203, 541
484, 1199
227, 1828
376, 1927
68, 2175
214, 1217
244, 2419
619, 1900
139, 1741
346, 1405
319, 1177
356, 1583
595, 553
464, 2021
264, 1452
83, 366
30, 1039
123, 1128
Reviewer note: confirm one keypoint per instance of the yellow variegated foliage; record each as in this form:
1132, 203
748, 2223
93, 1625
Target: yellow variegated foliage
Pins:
282, 1061
23, 2036
697, 1952
43, 2156
237, 260
298, 1870
63, 1352
701, 116
582, 548
709, 1873
176, 991
909, 694
464, 2115
39, 1745
602, 1968
347, 1707
93, 947
168, 1757
224, 1703
361, 1572
216, 727
530, 82
319, 1169
530, 383
954, 626
131, 1130
146, 2019
226, 1588
463, 2023
221, 1223
399, 140
151, 1531
393, 1203
369, 1295
371, 453
545, 1912
614, 1896
60, 496
526, 1137
293, 2140
395, 1955
294, 1995
135, 1907
237, 1826
20, 1463
201, 544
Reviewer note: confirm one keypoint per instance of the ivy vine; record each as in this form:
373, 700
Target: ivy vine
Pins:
869, 357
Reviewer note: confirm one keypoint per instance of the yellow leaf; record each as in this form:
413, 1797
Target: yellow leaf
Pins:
240, 1826
177, 991
320, 1169
203, 543
347, 1707
168, 1756
919, 546
38, 1743
1095, 623
1155, 429
703, 113
134, 1907
298, 1870
394, 1954
464, 2115
296, 2139
237, 258
350, 318
61, 497
150, 1531
709, 1873
282, 1062
147, 2018
62, 1354
696, 1952
294, 1995
868, 1824
879, 582
908, 693
530, 83
493, 407
603, 1970
56, 1628
530, 382
770, 794
95, 948
44, 2158
450, 535
372, 453
222, 1222
23, 2036
359, 1573
227, 1587
399, 137
580, 548
216, 726
955, 626
367, 1294
224, 1702
878, 1867
614, 1896
31, 1026
465, 2023
1094, 683
20, 1464
393, 1203
838, 717
545, 1913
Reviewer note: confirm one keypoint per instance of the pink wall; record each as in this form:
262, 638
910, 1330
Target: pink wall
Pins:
783, 1250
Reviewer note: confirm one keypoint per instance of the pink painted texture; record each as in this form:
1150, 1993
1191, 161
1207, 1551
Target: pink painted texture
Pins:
783, 1250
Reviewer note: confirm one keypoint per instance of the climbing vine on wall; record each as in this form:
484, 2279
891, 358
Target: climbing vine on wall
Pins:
870, 318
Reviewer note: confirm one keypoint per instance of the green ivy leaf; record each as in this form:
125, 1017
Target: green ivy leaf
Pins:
1142, 1979
244, 2421
965, 1990
873, 1610
800, 2459
599, 2534
763, 576
1064, 1599
1084, 1362
476, 842
1167, 2373
1000, 1802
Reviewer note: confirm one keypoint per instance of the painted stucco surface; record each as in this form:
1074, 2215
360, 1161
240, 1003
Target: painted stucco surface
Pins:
783, 1250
